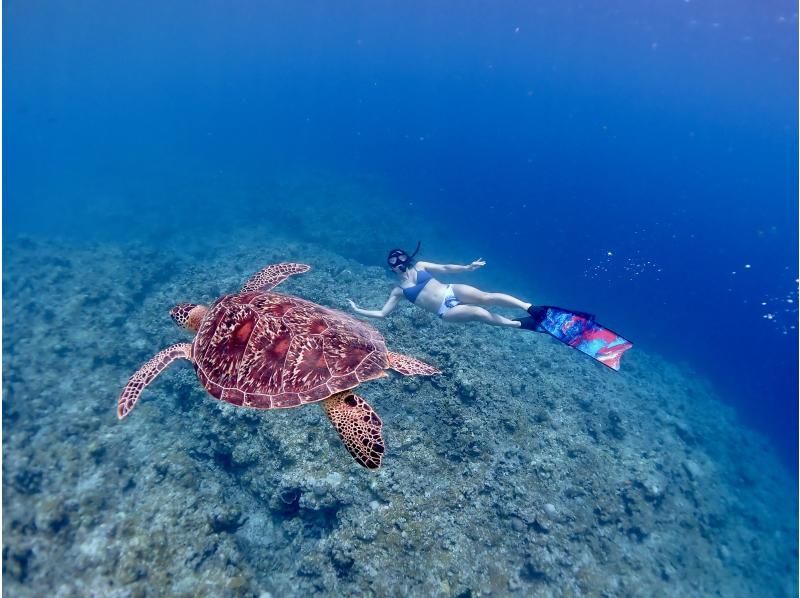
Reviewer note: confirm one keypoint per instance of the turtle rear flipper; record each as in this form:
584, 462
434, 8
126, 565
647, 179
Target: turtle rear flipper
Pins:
147, 373
408, 366
358, 426
272, 276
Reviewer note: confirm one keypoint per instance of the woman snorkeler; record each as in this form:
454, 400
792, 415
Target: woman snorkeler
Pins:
463, 303
451, 302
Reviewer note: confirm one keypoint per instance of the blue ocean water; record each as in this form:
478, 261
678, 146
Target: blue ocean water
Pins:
636, 160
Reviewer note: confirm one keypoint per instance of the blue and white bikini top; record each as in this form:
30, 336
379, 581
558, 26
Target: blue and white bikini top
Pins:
411, 293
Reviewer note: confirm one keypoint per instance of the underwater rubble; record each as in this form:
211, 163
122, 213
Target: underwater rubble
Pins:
524, 469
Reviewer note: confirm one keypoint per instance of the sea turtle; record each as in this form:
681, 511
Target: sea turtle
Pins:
267, 350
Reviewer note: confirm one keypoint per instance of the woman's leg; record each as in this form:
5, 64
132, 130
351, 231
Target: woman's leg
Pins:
473, 313
473, 296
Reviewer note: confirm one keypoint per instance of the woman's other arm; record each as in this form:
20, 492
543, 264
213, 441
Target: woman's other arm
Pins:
391, 303
449, 268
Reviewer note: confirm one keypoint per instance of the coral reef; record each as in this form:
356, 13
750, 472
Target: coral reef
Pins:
525, 469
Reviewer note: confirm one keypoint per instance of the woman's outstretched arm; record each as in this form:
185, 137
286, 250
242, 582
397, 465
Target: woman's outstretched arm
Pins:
450, 268
388, 307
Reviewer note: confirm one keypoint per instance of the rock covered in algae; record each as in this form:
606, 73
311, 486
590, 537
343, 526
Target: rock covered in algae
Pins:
547, 476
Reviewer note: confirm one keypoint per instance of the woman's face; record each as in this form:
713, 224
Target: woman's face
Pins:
399, 264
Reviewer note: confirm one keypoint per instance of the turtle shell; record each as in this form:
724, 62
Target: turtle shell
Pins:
268, 350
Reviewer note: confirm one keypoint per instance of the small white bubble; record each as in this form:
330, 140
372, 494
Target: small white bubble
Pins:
747, 265
610, 253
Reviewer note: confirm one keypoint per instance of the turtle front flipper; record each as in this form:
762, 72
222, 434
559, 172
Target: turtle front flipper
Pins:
358, 426
272, 276
147, 373
408, 366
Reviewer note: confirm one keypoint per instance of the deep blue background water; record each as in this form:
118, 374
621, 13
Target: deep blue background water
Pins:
634, 159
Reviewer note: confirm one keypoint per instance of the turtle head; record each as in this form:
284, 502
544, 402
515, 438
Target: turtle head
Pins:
188, 315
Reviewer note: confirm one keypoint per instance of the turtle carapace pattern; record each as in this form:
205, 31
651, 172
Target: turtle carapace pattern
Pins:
267, 350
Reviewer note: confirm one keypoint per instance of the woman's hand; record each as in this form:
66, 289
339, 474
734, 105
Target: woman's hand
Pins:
479, 263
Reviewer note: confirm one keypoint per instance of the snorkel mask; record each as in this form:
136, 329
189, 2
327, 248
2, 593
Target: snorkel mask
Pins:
400, 259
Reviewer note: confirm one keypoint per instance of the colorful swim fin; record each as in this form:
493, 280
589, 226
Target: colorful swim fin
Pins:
580, 331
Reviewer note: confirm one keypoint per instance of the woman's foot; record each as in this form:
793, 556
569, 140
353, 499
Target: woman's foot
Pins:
527, 323
536, 311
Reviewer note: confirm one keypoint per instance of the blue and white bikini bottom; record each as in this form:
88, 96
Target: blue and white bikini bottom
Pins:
449, 302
